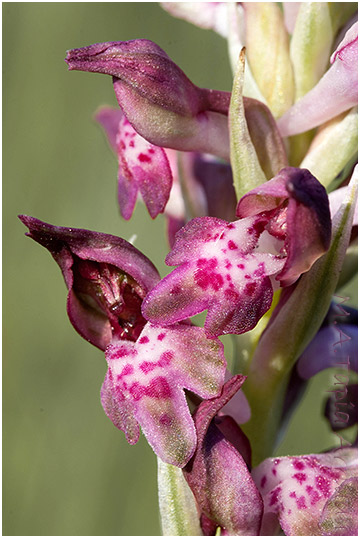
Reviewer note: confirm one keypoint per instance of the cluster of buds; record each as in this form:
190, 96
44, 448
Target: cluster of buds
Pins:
243, 179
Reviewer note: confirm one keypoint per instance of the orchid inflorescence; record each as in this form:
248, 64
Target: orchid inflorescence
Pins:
254, 185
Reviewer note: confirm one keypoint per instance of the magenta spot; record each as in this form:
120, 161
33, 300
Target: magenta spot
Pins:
312, 462
159, 389
230, 226
263, 481
151, 150
241, 266
161, 336
147, 366
165, 358
292, 495
323, 484
228, 277
313, 494
137, 391
127, 370
331, 473
165, 420
274, 496
144, 158
228, 265
143, 340
260, 270
298, 465
121, 352
122, 144
247, 276
300, 477
175, 290
250, 288
300, 503
231, 295
132, 143
206, 277
277, 461
232, 245
119, 392
274, 471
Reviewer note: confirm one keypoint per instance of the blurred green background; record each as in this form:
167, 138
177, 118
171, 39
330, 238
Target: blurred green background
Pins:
66, 469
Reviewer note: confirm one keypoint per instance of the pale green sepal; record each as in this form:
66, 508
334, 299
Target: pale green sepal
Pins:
267, 45
178, 511
310, 45
290, 331
333, 147
236, 31
247, 172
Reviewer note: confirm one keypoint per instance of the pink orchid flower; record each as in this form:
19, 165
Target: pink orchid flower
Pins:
231, 269
149, 367
336, 91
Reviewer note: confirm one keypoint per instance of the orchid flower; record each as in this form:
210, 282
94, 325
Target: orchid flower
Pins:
336, 92
149, 367
242, 261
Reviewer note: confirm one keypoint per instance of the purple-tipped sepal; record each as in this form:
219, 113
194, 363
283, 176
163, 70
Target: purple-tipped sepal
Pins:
218, 475
298, 213
157, 98
106, 276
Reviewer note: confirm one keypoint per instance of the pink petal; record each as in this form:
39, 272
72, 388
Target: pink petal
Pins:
218, 271
296, 488
336, 91
109, 118
144, 167
148, 381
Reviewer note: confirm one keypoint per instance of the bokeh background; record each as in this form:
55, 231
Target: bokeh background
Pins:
66, 469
